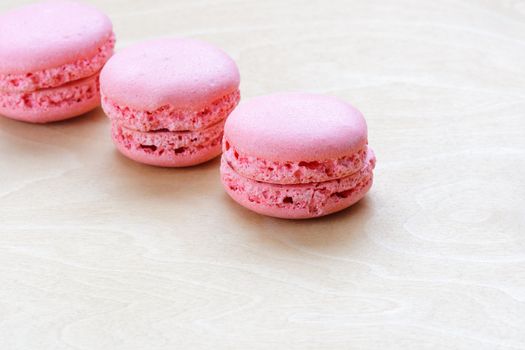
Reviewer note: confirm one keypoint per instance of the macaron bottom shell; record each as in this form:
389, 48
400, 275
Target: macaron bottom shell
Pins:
169, 148
53, 104
299, 201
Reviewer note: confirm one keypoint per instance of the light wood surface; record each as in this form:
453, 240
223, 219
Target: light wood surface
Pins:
98, 252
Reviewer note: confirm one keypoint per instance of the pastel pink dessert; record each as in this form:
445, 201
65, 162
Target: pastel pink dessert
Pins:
168, 99
51, 54
296, 155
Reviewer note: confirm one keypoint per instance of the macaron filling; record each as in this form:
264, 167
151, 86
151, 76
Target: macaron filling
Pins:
58, 76
169, 117
292, 172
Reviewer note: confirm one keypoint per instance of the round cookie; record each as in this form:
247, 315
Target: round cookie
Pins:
51, 54
296, 155
167, 100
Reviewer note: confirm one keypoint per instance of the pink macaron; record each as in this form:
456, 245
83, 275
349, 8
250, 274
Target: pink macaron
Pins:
168, 99
296, 155
51, 54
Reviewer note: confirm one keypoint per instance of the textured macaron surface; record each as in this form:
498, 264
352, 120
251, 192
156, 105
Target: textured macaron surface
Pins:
50, 34
296, 127
184, 73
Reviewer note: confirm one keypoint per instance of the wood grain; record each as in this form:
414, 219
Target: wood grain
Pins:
98, 252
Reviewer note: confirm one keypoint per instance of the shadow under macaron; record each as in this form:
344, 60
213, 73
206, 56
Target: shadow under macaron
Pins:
165, 182
342, 227
58, 133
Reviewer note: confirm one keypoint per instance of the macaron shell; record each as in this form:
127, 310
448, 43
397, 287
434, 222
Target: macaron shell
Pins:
167, 148
296, 127
284, 213
49, 105
57, 76
183, 73
168, 161
58, 32
298, 201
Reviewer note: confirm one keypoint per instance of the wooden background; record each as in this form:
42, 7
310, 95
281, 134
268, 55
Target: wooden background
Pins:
98, 252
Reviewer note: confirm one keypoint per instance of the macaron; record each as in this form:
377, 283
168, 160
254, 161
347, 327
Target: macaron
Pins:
168, 99
51, 54
296, 155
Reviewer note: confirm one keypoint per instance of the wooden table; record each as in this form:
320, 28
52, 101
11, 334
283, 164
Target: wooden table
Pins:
98, 252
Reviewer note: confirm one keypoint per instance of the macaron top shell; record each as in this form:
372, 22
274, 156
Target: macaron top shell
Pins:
296, 127
50, 34
185, 73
